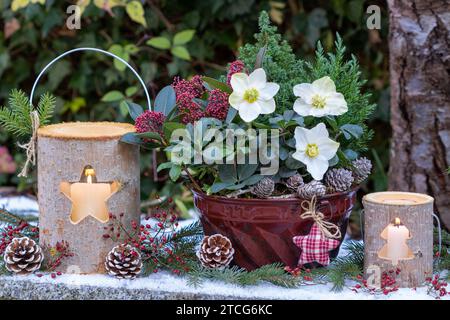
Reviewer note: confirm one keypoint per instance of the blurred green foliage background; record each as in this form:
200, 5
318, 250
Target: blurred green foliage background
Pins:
162, 39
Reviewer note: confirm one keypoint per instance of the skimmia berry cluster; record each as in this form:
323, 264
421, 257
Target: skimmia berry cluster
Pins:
186, 91
150, 121
236, 66
21, 229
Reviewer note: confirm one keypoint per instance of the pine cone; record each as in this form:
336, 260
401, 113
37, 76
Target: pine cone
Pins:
123, 262
216, 251
264, 188
23, 256
294, 181
338, 180
361, 169
313, 188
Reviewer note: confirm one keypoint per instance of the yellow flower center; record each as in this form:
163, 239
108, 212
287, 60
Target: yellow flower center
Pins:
251, 95
318, 102
312, 150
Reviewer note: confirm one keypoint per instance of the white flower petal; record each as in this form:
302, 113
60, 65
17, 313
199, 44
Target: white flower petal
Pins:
239, 82
269, 91
257, 79
318, 132
301, 140
336, 104
302, 108
324, 85
266, 106
304, 91
317, 168
235, 100
328, 148
302, 157
249, 111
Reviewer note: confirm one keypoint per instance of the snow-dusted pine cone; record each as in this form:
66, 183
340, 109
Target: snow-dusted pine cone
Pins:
23, 256
123, 262
338, 180
313, 188
216, 251
264, 188
361, 169
294, 181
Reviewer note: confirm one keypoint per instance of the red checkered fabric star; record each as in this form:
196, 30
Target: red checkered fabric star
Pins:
315, 247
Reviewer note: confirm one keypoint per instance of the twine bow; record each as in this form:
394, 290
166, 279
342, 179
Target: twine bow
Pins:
329, 229
30, 146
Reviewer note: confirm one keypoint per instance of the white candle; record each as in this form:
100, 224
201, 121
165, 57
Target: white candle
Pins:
88, 198
397, 234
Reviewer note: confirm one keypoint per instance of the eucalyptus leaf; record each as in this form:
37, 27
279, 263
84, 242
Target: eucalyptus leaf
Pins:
232, 112
253, 180
350, 154
131, 138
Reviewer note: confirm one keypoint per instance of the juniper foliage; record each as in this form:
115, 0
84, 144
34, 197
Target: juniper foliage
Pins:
282, 67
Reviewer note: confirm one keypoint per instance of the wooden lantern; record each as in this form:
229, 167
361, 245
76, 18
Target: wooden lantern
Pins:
85, 173
398, 233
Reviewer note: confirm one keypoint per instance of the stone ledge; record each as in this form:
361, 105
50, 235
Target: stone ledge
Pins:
164, 286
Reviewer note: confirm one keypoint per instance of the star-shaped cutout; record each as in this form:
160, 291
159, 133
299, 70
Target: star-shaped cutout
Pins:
315, 247
89, 198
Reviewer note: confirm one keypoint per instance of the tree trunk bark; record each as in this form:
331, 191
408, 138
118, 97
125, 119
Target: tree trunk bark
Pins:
64, 151
420, 99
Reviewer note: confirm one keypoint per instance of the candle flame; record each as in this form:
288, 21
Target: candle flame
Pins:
89, 173
397, 222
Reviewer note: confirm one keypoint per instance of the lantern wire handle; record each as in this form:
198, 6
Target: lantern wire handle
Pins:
96, 50
439, 234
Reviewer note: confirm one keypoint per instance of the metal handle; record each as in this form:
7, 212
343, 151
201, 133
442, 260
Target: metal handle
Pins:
96, 50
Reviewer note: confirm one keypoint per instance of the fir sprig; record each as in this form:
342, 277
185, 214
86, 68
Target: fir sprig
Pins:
16, 117
273, 273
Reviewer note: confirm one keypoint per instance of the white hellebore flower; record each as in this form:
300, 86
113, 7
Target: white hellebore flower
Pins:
319, 99
252, 94
314, 149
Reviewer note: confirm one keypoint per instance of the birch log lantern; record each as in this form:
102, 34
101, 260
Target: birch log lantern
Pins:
398, 235
74, 209
86, 177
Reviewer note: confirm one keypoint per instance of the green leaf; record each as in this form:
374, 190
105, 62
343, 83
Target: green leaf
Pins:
253, 179
244, 171
216, 84
134, 109
150, 135
120, 52
170, 127
352, 130
113, 96
159, 43
135, 11
180, 52
131, 91
183, 37
175, 172
131, 138
227, 173
219, 186
163, 166
131, 48
232, 112
166, 100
